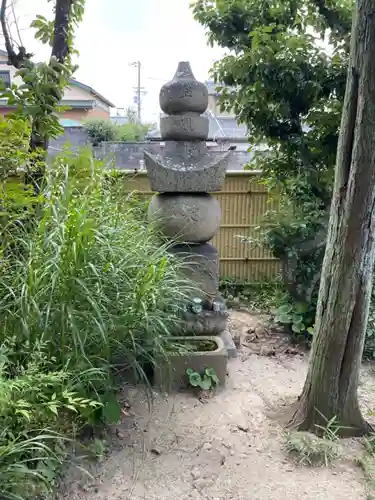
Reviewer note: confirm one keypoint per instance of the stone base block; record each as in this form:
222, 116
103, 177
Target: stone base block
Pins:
170, 372
201, 265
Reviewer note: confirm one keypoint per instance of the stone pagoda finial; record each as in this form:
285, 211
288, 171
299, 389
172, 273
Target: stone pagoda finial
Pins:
183, 94
184, 174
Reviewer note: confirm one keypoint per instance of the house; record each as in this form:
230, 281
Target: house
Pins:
83, 101
223, 124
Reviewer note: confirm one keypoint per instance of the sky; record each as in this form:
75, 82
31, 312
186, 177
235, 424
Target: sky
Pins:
115, 33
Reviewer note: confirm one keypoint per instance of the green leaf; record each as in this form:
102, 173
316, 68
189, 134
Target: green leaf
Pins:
206, 383
210, 372
189, 371
24, 413
285, 319
296, 328
285, 309
71, 407
53, 409
195, 379
297, 318
310, 330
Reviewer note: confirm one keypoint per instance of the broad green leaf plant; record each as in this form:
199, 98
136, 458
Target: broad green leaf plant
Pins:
205, 380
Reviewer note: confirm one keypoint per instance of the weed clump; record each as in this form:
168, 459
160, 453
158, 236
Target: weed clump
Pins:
309, 449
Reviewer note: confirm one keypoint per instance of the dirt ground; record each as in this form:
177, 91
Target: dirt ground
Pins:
224, 447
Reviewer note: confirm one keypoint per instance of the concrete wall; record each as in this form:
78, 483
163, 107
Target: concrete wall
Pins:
125, 155
129, 156
76, 137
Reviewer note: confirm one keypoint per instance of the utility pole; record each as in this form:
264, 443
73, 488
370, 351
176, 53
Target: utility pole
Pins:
139, 91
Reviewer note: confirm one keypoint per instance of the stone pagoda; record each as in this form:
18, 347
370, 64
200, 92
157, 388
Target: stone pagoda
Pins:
183, 175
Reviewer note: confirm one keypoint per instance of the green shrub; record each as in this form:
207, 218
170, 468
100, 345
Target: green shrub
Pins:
40, 410
130, 132
17, 200
100, 130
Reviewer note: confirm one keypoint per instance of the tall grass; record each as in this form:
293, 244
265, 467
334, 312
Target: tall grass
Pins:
93, 281
88, 288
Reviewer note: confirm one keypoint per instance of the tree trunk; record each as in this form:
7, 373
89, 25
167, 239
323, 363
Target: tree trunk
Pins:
345, 290
60, 47
38, 145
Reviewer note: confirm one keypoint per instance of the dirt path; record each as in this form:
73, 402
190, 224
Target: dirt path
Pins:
224, 448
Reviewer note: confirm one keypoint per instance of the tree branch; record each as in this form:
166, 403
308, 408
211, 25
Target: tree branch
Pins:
60, 45
15, 59
12, 56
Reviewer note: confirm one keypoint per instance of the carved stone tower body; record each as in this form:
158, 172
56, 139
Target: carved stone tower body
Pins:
184, 175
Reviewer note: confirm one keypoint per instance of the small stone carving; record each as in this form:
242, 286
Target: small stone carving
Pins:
184, 175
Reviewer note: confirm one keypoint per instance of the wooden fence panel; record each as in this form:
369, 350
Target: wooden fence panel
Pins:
243, 203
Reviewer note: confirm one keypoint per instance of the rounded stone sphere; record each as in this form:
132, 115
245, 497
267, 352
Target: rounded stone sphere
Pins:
191, 218
183, 94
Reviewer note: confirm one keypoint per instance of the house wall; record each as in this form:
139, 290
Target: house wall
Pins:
5, 111
80, 115
71, 93
12, 70
75, 93
99, 112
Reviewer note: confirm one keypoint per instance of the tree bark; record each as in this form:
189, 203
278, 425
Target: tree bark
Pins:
60, 45
345, 290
